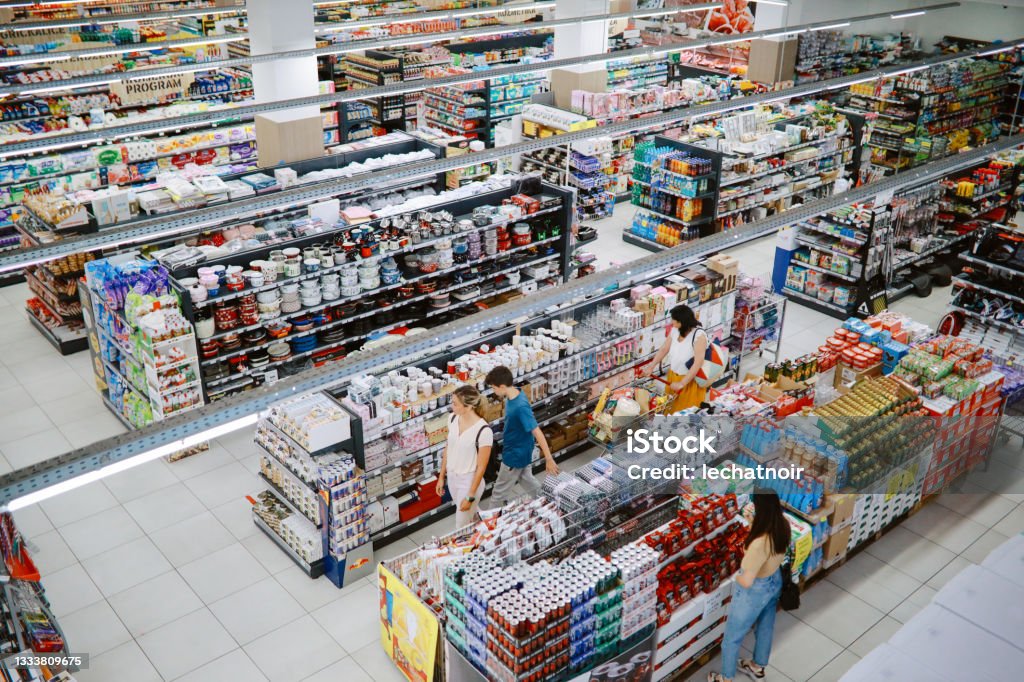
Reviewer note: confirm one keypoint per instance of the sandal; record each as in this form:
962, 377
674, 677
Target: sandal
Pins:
715, 677
750, 669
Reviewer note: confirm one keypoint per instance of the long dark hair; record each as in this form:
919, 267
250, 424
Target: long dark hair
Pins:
768, 520
683, 314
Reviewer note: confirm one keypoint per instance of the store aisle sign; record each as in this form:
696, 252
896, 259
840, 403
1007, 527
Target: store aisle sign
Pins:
143, 90
409, 631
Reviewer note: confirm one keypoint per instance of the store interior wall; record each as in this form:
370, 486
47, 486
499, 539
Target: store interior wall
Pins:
982, 20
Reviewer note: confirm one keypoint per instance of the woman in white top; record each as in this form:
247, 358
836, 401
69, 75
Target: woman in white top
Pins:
465, 457
685, 348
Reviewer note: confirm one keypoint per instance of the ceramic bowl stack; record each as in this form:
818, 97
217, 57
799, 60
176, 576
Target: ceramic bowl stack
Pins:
369, 275
290, 302
389, 272
269, 303
330, 286
310, 293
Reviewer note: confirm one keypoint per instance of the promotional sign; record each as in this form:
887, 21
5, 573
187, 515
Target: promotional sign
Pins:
408, 630
157, 88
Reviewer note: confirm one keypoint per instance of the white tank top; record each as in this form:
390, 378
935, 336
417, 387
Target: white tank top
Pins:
681, 352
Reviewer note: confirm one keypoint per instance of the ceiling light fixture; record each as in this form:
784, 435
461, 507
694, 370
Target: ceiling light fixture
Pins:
904, 15
130, 463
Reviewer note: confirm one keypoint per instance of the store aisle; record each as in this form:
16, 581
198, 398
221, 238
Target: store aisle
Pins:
160, 574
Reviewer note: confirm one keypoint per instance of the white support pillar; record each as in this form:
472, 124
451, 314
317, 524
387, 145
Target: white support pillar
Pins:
276, 26
767, 17
581, 39
577, 40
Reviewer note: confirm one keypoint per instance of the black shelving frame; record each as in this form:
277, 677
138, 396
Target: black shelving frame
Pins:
463, 207
865, 287
704, 222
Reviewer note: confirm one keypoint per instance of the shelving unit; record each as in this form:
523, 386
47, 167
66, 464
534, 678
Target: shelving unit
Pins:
757, 184
314, 504
55, 309
672, 208
349, 321
988, 295
836, 260
831, 54
590, 172
927, 115
460, 110
142, 379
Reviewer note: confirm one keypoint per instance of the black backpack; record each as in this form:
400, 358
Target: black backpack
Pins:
491, 472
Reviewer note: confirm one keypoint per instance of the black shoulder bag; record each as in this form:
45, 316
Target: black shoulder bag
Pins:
789, 598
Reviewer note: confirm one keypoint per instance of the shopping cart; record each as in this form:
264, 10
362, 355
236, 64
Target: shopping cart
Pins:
609, 430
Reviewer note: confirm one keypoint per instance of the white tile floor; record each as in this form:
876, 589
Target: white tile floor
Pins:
160, 574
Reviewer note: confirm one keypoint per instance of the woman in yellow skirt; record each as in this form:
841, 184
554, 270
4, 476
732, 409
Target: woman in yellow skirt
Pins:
684, 348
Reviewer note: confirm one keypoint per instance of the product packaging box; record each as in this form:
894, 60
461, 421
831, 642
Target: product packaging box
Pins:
848, 376
835, 546
842, 513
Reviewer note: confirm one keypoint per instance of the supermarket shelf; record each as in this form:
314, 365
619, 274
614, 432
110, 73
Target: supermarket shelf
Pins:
771, 199
990, 265
830, 273
284, 498
927, 253
702, 195
678, 221
642, 242
117, 413
394, 306
347, 265
845, 237
298, 446
988, 320
544, 164
480, 102
728, 182
314, 570
812, 302
66, 341
967, 284
1001, 188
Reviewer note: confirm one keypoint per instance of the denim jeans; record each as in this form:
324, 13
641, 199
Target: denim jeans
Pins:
752, 606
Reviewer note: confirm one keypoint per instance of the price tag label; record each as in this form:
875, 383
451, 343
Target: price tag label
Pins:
271, 376
713, 603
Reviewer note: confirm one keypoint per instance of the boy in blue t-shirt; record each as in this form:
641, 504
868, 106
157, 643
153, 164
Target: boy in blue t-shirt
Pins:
520, 434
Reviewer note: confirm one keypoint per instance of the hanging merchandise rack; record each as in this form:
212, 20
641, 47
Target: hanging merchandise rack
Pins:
758, 322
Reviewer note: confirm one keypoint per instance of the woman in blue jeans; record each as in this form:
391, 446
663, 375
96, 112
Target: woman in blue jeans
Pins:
758, 584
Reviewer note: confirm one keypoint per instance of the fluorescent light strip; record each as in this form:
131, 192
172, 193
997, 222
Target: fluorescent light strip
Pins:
130, 463
829, 27
997, 51
904, 15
